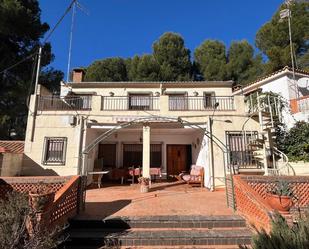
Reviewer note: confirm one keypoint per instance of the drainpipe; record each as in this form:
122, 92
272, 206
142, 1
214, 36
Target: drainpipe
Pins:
80, 150
36, 93
210, 121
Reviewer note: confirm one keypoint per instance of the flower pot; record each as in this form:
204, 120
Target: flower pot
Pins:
144, 188
41, 202
280, 203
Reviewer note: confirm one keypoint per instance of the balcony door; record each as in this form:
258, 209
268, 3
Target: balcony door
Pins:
178, 102
140, 102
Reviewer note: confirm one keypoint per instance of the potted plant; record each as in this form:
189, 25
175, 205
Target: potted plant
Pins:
41, 197
144, 182
280, 197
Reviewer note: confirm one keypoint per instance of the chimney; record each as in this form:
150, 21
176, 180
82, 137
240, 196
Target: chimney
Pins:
78, 75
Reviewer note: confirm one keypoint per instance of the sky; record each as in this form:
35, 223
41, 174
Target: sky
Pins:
125, 28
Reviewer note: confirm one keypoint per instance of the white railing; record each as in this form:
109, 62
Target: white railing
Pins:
303, 105
284, 169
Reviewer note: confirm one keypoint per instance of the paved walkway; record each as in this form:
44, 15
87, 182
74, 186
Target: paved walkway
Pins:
164, 199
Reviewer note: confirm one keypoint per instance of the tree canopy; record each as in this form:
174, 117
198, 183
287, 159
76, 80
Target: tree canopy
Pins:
173, 57
20, 32
110, 69
144, 68
210, 58
273, 37
240, 62
243, 66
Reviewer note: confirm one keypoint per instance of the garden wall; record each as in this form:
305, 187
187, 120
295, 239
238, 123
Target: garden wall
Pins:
67, 194
250, 197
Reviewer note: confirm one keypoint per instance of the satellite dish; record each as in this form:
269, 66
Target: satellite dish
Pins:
303, 83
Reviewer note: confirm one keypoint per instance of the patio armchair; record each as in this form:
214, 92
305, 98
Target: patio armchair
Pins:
196, 176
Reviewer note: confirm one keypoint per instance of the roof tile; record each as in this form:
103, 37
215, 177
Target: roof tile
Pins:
11, 146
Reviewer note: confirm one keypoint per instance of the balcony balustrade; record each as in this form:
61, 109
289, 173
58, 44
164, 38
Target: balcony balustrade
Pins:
201, 103
124, 103
136, 103
56, 103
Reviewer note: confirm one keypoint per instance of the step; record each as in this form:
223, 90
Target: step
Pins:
190, 221
184, 247
98, 238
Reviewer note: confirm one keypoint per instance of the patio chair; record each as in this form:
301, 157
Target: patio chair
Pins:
196, 176
133, 172
155, 172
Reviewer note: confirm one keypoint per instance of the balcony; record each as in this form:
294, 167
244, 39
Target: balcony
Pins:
125, 103
136, 103
55, 103
201, 103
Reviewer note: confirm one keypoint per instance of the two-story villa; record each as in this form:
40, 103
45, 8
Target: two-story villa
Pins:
117, 125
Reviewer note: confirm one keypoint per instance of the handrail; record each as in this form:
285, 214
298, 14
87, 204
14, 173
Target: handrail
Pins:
287, 165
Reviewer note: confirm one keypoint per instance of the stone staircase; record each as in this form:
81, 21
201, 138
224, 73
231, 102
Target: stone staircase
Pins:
226, 232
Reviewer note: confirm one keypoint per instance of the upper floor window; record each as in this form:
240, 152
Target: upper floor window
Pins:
209, 99
54, 150
178, 101
140, 101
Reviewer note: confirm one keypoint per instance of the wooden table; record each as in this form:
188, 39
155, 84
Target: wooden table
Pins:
100, 175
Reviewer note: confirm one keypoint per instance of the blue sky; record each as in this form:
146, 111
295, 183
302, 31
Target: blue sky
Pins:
128, 27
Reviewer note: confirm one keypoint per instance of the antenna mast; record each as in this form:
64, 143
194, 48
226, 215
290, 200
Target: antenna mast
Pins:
71, 39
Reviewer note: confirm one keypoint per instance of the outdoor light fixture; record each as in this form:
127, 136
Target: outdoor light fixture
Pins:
13, 133
195, 94
111, 94
157, 94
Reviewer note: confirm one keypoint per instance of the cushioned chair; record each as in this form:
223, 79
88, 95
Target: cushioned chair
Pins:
196, 175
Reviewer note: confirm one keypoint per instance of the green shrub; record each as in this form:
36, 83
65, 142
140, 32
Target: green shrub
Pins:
282, 236
14, 215
295, 142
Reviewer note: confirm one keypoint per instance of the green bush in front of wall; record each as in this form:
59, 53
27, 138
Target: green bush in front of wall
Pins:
282, 236
295, 142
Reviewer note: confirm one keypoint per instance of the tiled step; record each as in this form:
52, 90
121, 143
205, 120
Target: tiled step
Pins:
226, 232
97, 238
223, 221
183, 247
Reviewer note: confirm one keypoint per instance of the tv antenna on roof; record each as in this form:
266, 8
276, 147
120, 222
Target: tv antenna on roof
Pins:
83, 9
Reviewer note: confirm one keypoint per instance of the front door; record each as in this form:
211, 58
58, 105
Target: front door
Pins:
177, 159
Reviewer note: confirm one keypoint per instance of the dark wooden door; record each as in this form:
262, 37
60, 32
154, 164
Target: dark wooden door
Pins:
177, 156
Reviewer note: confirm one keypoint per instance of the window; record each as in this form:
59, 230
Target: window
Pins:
139, 102
155, 155
241, 152
54, 150
178, 102
209, 100
133, 155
